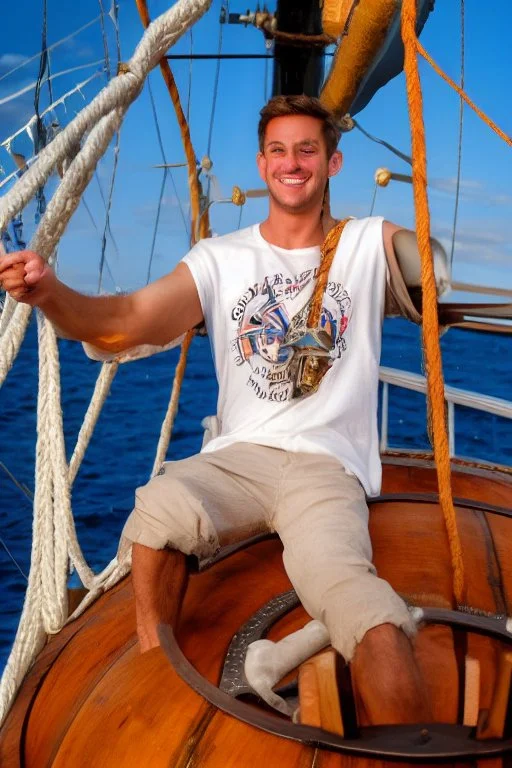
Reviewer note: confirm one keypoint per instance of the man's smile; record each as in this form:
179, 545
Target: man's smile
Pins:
293, 180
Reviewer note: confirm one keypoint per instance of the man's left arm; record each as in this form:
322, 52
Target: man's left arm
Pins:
403, 296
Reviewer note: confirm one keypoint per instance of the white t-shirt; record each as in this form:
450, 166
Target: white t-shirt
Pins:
253, 294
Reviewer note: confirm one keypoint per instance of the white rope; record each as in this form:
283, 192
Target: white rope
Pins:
120, 92
172, 409
102, 117
54, 537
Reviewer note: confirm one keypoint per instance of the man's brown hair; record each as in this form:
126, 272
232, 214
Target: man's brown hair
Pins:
281, 106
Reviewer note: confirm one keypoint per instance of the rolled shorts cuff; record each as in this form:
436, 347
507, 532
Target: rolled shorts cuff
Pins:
398, 616
136, 531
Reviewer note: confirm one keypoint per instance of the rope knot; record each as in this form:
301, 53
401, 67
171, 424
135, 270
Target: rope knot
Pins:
346, 123
238, 197
123, 68
206, 164
382, 177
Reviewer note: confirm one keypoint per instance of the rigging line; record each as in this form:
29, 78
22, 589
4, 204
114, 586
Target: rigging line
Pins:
43, 66
265, 83
222, 56
21, 486
461, 127
61, 100
240, 217
215, 91
49, 48
162, 151
373, 200
189, 92
104, 200
40, 132
4, 545
106, 227
105, 41
114, 17
157, 222
89, 212
386, 144
30, 87
481, 114
162, 185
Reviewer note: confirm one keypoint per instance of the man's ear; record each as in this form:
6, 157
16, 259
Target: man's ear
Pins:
261, 162
335, 163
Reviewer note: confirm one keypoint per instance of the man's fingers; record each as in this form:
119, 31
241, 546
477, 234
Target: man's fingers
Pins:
13, 283
6, 262
33, 272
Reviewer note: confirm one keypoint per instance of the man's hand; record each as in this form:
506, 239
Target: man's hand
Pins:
156, 314
24, 275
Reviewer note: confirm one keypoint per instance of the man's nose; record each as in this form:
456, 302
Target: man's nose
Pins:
290, 162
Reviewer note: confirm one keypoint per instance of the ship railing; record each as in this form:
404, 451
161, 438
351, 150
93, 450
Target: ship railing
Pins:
453, 396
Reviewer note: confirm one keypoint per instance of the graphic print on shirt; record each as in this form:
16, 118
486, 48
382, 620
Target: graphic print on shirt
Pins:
270, 316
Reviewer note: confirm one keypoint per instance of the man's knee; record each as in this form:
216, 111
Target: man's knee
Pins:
167, 515
365, 608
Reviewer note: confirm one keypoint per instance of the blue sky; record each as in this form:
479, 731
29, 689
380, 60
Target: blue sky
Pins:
483, 250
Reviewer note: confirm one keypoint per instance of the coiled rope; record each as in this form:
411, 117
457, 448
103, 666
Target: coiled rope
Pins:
430, 326
54, 543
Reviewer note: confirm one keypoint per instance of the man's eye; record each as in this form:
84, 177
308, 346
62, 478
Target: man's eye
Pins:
308, 151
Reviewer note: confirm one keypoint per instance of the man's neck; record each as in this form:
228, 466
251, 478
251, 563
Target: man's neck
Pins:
293, 230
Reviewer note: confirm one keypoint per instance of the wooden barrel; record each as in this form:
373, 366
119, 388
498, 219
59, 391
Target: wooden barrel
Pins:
93, 700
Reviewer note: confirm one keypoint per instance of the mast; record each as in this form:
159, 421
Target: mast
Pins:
298, 68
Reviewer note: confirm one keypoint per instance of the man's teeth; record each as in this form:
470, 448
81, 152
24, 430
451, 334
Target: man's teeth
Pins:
292, 181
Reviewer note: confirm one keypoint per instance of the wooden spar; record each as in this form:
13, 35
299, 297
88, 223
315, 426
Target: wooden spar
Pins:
298, 69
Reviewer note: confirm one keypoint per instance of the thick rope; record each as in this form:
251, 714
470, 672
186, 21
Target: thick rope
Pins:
328, 251
172, 409
54, 537
430, 326
102, 117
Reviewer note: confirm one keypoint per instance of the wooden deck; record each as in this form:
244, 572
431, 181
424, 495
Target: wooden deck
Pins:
92, 700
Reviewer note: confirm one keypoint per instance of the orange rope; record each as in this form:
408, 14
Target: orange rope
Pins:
462, 93
195, 197
327, 254
193, 180
433, 363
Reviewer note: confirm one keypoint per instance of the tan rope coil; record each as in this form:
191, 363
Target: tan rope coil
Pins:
327, 254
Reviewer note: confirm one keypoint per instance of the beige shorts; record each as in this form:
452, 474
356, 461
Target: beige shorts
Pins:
211, 500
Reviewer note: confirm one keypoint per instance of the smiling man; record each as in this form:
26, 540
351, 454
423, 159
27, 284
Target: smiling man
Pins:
283, 461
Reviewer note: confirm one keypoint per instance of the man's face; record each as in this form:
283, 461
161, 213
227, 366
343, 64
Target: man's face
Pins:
294, 162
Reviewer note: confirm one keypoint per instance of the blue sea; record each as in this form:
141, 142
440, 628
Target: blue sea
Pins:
122, 449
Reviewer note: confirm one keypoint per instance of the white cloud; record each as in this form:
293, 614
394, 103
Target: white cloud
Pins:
10, 60
470, 189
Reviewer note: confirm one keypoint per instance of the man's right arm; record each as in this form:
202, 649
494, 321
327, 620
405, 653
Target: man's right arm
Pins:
155, 315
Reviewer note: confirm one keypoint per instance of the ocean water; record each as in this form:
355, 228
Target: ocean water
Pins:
122, 449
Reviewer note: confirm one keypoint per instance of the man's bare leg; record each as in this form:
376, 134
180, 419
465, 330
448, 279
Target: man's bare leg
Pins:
388, 679
159, 579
